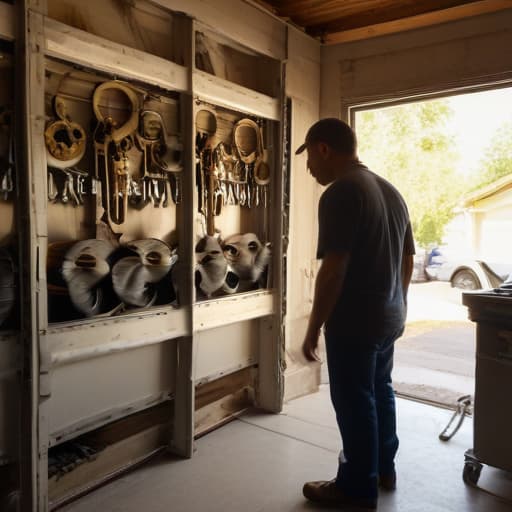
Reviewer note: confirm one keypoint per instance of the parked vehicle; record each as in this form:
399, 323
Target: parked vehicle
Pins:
419, 274
465, 272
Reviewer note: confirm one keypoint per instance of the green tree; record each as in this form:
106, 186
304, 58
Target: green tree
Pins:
497, 159
410, 145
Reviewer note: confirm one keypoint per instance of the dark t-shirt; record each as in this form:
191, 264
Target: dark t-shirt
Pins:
365, 215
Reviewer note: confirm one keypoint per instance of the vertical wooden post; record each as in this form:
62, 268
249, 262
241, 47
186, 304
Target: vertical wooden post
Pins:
183, 431
33, 235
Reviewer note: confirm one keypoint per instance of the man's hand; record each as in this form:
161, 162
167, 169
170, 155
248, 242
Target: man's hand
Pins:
310, 346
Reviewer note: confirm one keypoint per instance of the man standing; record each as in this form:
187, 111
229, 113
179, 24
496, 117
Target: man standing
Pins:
366, 247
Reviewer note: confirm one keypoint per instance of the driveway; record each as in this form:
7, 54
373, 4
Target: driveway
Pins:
435, 359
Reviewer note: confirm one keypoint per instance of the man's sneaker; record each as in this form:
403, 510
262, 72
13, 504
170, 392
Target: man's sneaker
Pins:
328, 493
387, 482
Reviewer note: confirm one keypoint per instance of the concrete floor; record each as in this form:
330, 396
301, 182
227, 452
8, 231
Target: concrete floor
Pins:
260, 462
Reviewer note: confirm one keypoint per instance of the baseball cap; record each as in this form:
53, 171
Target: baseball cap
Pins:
333, 132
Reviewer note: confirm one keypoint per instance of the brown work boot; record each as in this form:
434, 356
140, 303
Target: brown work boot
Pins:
328, 493
388, 482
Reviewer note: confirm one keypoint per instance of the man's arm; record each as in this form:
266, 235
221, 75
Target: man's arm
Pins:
407, 268
328, 286
407, 260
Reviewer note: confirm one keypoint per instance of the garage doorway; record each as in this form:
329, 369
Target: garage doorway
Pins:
451, 158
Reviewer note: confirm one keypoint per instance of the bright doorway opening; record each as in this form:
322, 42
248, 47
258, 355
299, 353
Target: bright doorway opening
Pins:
451, 158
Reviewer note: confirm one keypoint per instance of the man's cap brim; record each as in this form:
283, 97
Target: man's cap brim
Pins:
301, 149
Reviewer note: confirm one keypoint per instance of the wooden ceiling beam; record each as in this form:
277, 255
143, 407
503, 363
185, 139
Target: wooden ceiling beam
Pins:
384, 13
267, 5
467, 10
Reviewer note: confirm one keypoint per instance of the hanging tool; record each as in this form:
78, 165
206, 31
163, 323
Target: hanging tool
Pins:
113, 139
7, 174
206, 127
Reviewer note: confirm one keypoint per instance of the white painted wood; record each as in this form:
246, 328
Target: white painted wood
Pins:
86, 393
34, 240
249, 361
271, 347
95, 338
232, 309
303, 68
220, 350
303, 61
184, 404
116, 412
7, 22
110, 462
239, 21
77, 46
215, 90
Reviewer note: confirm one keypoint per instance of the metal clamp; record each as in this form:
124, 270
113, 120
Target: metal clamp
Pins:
463, 405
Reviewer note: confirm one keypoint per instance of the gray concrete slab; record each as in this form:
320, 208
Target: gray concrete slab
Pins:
259, 464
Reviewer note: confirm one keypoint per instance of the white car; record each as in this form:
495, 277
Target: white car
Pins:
464, 272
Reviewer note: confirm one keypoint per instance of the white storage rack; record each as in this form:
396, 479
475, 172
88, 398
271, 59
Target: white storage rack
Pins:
89, 373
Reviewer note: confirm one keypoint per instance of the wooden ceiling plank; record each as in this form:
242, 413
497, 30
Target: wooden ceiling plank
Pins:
317, 21
306, 9
423, 20
395, 11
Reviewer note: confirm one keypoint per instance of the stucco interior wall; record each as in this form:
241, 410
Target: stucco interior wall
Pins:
436, 58
303, 87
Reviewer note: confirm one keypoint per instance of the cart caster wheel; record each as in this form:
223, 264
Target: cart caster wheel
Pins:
471, 472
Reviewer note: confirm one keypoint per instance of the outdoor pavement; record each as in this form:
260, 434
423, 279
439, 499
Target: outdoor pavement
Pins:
435, 359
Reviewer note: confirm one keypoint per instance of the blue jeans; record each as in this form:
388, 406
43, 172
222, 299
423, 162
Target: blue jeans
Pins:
364, 401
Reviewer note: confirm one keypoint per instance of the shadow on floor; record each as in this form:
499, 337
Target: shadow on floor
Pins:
260, 462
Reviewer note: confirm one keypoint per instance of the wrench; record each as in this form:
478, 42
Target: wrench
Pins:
79, 189
70, 185
243, 195
155, 193
167, 193
52, 187
177, 192
64, 195
163, 200
7, 185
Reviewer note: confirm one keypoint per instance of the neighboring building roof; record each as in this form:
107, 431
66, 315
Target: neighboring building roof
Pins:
494, 188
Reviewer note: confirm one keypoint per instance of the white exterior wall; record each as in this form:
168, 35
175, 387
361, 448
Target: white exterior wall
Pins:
493, 227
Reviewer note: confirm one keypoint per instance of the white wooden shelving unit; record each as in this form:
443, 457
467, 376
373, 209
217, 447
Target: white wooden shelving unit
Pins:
89, 373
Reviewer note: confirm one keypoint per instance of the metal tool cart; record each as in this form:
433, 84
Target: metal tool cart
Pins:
492, 417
